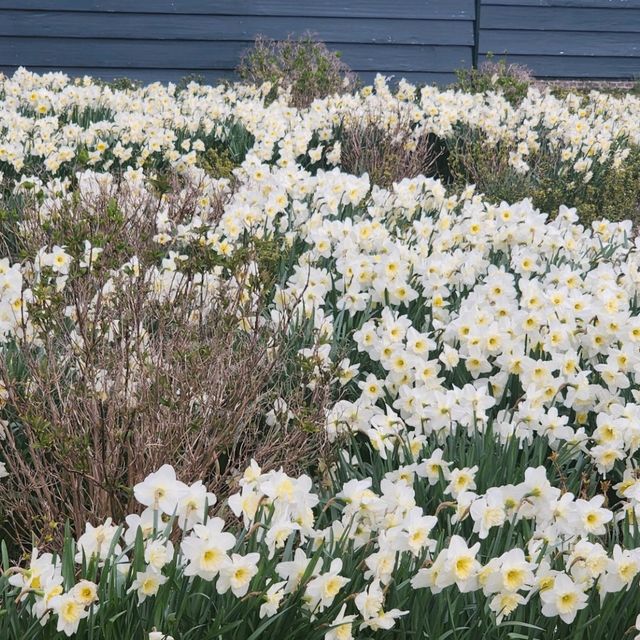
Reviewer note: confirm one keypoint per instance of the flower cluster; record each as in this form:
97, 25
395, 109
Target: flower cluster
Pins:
51, 121
482, 361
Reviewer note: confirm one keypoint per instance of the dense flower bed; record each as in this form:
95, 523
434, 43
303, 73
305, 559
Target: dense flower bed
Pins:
481, 357
49, 122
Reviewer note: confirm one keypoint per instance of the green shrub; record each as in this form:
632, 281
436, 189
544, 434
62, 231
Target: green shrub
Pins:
615, 197
124, 84
512, 80
190, 78
612, 193
302, 65
218, 164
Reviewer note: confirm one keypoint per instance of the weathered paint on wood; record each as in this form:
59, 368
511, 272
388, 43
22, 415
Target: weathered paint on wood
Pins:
560, 43
423, 40
578, 66
182, 54
560, 19
564, 38
420, 9
611, 4
51, 24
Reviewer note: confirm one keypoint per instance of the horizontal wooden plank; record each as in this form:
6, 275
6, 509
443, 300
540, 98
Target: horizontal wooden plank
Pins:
612, 4
426, 9
180, 54
560, 18
192, 27
212, 76
577, 66
560, 43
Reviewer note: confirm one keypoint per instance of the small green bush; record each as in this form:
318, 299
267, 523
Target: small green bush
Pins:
217, 163
124, 84
512, 80
303, 65
185, 81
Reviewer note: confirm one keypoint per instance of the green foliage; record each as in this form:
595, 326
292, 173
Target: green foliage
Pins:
9, 218
192, 609
123, 84
303, 65
612, 193
234, 142
614, 196
218, 164
190, 78
512, 80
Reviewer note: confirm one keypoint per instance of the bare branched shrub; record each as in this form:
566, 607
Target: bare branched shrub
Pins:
388, 148
131, 366
303, 65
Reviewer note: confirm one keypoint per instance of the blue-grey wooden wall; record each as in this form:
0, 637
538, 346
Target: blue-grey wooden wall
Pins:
597, 39
422, 40
167, 39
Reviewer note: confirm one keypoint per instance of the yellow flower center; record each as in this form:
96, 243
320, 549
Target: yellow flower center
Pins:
332, 587
463, 567
514, 579
70, 611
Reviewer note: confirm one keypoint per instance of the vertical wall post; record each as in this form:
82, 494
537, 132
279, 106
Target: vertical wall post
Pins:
476, 34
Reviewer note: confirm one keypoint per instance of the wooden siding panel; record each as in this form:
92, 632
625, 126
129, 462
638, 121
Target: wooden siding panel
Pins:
421, 39
581, 67
46, 24
421, 9
190, 55
578, 4
564, 38
166, 39
560, 43
560, 18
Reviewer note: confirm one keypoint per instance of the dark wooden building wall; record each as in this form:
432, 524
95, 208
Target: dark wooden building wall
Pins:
422, 40
598, 39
